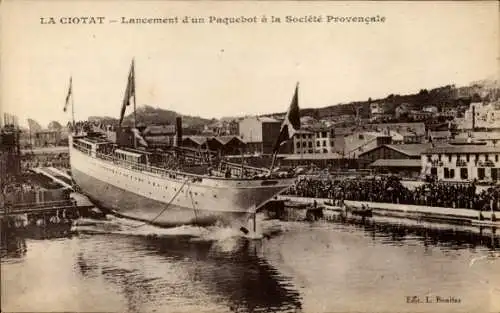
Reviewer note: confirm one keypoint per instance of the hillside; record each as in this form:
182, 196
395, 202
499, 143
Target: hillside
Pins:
150, 115
443, 97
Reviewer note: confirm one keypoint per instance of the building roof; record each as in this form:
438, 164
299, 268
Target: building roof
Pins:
463, 149
405, 129
265, 119
226, 139
440, 134
375, 134
411, 149
317, 156
343, 131
396, 163
200, 140
46, 150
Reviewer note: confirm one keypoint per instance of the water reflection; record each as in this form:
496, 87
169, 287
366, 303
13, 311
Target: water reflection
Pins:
310, 267
12, 246
446, 236
13, 240
235, 277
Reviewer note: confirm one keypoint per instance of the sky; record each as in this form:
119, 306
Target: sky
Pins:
217, 70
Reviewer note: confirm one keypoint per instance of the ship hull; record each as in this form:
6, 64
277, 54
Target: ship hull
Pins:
130, 205
170, 200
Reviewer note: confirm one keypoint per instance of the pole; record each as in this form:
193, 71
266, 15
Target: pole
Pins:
133, 86
72, 104
255, 221
273, 160
135, 94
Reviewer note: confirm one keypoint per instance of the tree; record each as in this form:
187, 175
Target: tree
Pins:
476, 97
54, 125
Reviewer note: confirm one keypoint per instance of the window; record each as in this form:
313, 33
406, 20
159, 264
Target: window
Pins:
496, 158
310, 144
440, 157
434, 171
317, 143
429, 158
361, 137
298, 144
446, 173
325, 151
324, 143
467, 157
464, 174
486, 157
449, 158
480, 173
452, 173
495, 174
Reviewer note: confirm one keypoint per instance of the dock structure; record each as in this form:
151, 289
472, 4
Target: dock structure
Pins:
53, 174
48, 207
416, 212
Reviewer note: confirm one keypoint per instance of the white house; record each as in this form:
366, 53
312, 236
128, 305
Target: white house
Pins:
462, 163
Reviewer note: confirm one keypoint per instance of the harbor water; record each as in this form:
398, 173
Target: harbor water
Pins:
116, 265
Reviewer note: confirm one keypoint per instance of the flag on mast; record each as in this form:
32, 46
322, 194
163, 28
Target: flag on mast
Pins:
129, 92
69, 94
291, 124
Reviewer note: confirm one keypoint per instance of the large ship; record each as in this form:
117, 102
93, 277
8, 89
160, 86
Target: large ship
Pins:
175, 187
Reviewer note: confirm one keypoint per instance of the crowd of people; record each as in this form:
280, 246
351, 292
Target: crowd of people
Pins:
391, 190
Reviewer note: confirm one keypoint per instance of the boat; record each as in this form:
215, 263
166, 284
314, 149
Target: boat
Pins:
175, 187
346, 210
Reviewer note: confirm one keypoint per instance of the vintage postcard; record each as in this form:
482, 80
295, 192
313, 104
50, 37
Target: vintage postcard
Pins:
251, 156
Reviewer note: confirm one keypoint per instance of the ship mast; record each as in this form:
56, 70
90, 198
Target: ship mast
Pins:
134, 92
72, 104
135, 98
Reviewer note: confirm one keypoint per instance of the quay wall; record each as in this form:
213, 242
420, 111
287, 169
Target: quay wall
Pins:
406, 210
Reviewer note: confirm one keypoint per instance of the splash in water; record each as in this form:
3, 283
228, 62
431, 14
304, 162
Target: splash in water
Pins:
224, 235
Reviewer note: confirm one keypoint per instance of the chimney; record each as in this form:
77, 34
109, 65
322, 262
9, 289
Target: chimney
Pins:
178, 131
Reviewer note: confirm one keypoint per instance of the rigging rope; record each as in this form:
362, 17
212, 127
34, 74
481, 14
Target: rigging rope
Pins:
164, 209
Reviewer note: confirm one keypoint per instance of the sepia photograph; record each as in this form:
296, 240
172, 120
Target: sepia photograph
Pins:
250, 156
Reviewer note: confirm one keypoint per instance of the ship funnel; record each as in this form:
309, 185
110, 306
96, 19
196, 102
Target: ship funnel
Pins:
178, 131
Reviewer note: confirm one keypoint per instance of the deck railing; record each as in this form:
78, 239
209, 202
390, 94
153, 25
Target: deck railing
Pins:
163, 172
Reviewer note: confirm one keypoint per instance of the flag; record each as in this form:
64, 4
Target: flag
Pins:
69, 94
129, 91
291, 124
